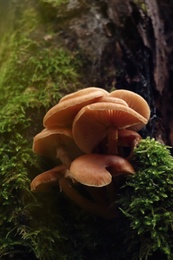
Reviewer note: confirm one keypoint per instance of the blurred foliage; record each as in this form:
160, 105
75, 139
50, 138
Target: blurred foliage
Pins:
55, 3
36, 71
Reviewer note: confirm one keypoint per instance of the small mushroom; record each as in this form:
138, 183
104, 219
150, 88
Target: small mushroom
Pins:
56, 144
46, 180
98, 121
57, 177
62, 114
96, 170
127, 139
134, 101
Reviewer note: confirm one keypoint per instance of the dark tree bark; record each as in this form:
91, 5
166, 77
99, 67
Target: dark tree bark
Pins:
129, 45
146, 47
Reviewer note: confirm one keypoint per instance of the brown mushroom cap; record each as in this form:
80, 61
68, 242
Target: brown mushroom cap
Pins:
48, 140
82, 92
127, 141
134, 101
109, 99
92, 169
62, 114
44, 181
94, 122
128, 137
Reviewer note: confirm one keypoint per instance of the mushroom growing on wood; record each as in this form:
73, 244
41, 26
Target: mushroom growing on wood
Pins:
127, 139
90, 120
99, 121
95, 172
97, 169
134, 101
56, 144
62, 114
44, 181
56, 177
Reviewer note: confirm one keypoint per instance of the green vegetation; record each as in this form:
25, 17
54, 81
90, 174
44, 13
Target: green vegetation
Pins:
36, 70
55, 3
142, 5
148, 201
35, 73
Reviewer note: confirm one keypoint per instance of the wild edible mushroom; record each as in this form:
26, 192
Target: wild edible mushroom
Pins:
96, 170
98, 119
99, 122
62, 114
56, 177
56, 144
134, 101
127, 140
44, 181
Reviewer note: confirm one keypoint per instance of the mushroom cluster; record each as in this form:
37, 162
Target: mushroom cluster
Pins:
91, 134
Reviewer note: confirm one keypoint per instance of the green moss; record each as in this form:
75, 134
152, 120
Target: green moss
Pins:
36, 70
35, 73
148, 201
141, 4
55, 3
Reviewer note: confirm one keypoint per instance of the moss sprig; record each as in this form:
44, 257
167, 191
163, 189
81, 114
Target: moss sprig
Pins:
148, 200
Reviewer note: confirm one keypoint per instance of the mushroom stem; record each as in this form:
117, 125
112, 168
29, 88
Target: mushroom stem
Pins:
111, 193
83, 202
104, 196
63, 155
112, 141
44, 181
128, 138
98, 194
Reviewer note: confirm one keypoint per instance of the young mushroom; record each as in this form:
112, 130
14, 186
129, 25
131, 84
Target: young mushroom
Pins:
56, 177
134, 101
97, 170
127, 139
99, 122
62, 114
56, 144
46, 180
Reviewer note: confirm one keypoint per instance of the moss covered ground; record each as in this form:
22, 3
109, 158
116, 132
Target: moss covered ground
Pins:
36, 70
